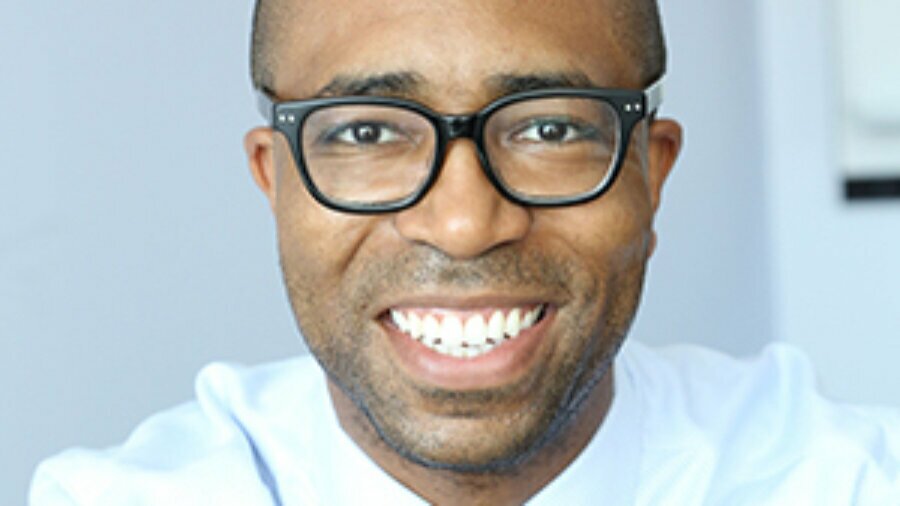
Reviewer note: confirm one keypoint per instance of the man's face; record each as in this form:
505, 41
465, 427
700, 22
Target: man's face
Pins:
464, 253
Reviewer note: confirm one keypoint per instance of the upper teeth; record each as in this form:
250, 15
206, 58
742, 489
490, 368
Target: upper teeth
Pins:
464, 337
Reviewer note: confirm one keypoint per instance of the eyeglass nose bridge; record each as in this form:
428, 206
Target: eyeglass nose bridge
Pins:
463, 126
460, 126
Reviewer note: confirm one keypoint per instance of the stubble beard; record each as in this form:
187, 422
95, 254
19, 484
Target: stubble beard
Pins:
339, 341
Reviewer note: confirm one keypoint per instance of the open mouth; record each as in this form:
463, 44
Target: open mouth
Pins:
467, 334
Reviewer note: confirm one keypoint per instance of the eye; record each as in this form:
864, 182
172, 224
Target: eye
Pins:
363, 134
553, 131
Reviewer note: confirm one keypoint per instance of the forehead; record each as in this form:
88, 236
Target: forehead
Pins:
457, 47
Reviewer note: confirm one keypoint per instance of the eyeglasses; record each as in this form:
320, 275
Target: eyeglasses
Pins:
549, 147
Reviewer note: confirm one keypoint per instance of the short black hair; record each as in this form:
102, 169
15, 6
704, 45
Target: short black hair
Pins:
267, 18
638, 27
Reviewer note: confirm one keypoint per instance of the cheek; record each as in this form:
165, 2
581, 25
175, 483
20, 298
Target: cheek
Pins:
317, 249
315, 243
316, 254
610, 234
610, 241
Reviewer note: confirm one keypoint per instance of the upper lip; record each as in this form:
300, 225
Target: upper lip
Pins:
469, 302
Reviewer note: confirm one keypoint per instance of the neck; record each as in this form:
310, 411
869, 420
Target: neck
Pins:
513, 486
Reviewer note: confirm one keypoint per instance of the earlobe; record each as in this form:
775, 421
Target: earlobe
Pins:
665, 139
259, 145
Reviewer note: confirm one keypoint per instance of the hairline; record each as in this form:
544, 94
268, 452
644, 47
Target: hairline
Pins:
642, 36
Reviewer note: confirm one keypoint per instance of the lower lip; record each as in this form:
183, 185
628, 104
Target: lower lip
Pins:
502, 365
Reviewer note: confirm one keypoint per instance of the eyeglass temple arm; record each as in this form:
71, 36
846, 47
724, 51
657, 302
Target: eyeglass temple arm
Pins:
654, 95
265, 105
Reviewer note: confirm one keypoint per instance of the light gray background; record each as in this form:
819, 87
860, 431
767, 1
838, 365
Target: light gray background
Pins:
134, 247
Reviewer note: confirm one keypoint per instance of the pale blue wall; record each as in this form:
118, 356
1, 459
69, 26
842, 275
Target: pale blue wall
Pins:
709, 281
835, 270
133, 245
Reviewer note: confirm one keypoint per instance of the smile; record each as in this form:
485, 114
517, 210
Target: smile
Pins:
467, 334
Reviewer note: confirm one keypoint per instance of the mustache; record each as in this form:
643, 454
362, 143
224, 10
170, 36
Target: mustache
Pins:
423, 268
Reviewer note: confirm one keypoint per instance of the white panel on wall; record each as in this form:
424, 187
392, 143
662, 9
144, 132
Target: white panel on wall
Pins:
869, 51
834, 266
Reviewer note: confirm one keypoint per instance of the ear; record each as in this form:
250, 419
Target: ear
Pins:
664, 144
259, 145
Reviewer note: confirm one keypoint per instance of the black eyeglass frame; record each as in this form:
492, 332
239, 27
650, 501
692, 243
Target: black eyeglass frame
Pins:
631, 106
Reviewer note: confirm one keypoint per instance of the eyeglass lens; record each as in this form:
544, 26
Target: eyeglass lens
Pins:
374, 154
367, 153
552, 147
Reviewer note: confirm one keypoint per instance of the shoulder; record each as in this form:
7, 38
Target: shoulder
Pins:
187, 454
715, 387
757, 430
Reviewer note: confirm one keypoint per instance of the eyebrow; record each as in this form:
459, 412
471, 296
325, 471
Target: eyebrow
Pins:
506, 84
391, 83
407, 84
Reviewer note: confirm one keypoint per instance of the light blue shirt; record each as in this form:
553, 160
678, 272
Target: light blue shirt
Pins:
687, 426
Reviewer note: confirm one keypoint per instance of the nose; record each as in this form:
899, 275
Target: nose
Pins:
463, 214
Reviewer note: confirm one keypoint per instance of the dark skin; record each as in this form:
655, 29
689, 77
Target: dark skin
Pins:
498, 434
447, 487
